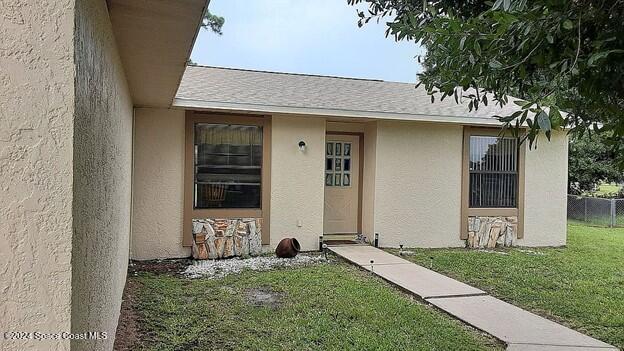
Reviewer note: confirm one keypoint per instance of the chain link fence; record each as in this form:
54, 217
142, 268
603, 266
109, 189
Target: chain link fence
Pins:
596, 211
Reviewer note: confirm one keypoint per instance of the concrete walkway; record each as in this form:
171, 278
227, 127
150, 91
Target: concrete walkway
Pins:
519, 329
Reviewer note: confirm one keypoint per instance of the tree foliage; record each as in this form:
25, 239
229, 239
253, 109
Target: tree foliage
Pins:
212, 22
554, 55
590, 163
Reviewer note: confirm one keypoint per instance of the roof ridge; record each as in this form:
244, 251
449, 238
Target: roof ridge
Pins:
294, 74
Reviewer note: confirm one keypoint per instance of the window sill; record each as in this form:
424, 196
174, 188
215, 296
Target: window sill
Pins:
226, 213
492, 212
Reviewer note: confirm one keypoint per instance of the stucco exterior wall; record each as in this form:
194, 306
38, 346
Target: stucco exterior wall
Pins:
545, 204
102, 177
158, 192
418, 184
369, 180
36, 131
297, 180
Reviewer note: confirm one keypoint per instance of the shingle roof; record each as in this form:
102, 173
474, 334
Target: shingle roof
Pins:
272, 92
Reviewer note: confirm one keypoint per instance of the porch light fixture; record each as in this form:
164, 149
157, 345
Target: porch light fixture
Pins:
376, 239
302, 146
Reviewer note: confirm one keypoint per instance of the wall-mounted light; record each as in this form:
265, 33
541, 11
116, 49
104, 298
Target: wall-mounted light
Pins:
302, 146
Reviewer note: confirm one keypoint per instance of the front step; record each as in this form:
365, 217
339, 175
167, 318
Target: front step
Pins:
331, 237
340, 239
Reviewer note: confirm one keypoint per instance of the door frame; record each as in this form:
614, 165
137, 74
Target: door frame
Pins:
360, 169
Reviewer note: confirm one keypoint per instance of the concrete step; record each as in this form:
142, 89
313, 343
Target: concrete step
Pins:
330, 237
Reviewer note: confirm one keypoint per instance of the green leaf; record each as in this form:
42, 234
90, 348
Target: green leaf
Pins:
543, 121
495, 64
525, 114
461, 43
477, 47
555, 117
516, 114
567, 24
600, 55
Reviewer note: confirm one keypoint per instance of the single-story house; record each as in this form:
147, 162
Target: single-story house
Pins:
112, 149
251, 157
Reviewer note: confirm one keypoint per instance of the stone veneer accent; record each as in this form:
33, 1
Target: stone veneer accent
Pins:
221, 238
489, 232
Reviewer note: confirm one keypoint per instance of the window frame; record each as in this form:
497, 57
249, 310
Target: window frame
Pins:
466, 210
342, 157
515, 173
190, 212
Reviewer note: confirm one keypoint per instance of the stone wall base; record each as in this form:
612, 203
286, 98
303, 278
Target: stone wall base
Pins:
222, 238
490, 232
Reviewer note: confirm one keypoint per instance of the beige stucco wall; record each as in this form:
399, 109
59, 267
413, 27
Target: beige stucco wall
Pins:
369, 180
418, 184
545, 204
411, 183
102, 177
297, 180
158, 192
36, 131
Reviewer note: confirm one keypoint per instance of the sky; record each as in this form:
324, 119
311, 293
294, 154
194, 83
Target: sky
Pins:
303, 36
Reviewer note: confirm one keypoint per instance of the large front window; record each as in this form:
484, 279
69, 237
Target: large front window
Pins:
493, 168
227, 166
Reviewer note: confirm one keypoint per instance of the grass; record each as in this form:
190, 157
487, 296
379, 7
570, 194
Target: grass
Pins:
332, 306
581, 285
606, 188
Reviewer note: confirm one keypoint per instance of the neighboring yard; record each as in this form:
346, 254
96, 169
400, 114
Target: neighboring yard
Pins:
581, 286
329, 306
607, 188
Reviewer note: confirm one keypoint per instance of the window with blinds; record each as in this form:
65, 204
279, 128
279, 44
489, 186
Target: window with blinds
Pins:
228, 166
493, 172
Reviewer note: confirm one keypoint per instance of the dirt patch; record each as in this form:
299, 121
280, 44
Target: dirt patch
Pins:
128, 327
264, 297
172, 267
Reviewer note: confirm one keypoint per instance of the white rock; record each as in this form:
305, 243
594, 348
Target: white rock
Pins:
221, 268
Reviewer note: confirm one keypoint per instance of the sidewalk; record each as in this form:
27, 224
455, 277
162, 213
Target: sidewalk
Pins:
519, 329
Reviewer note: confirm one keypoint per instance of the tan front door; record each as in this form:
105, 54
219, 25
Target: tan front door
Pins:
342, 176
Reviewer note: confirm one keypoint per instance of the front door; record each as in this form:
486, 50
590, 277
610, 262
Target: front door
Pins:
342, 177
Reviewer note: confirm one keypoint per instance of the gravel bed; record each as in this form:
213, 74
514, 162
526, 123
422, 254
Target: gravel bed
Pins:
224, 267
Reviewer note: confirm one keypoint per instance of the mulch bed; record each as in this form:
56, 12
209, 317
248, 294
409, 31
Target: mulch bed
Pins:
171, 267
127, 329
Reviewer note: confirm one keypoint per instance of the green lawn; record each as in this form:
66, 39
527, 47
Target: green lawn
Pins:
606, 188
331, 306
581, 285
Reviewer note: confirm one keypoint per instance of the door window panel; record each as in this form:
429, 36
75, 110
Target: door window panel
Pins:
338, 164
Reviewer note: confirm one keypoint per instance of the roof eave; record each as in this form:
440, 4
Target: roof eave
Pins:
154, 39
191, 104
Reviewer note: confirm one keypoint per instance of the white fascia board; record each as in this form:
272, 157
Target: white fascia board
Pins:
215, 105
